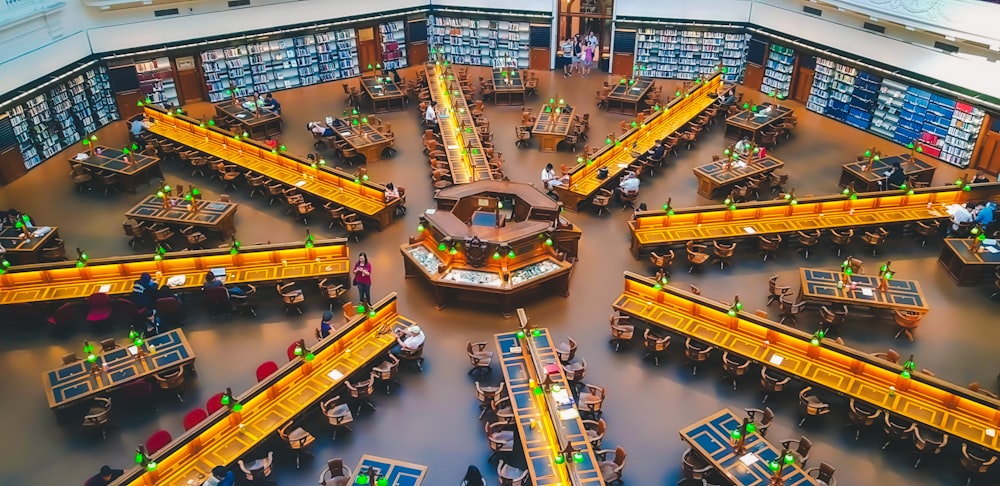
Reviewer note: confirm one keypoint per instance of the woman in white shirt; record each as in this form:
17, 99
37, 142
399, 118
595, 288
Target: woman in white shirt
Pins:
391, 192
430, 116
549, 179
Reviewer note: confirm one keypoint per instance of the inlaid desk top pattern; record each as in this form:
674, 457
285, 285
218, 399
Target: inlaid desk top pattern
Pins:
249, 266
74, 382
717, 172
113, 160
245, 116
387, 89
880, 167
633, 93
821, 285
661, 124
220, 440
11, 240
205, 212
469, 167
551, 123
717, 222
361, 136
320, 183
711, 438
961, 248
922, 398
751, 121
516, 84
540, 443
398, 473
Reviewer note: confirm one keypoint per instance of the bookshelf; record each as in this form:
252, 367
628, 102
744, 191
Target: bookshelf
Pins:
61, 116
281, 64
156, 80
485, 42
843, 93
689, 54
778, 71
393, 44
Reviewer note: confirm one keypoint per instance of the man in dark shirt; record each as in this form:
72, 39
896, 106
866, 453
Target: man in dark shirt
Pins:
324, 326
896, 177
272, 104
144, 291
105, 477
655, 153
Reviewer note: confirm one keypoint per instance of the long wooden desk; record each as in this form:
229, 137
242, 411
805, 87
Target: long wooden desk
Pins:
287, 393
820, 285
964, 414
546, 421
74, 382
467, 160
550, 128
616, 157
871, 180
253, 264
24, 251
367, 199
396, 472
710, 437
655, 229
385, 94
131, 168
746, 123
364, 138
966, 267
508, 87
257, 124
625, 94
211, 215
714, 175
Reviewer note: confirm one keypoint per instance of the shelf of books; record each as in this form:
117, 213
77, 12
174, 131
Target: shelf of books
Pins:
280, 64
778, 70
51, 121
495, 43
689, 54
156, 80
842, 93
393, 44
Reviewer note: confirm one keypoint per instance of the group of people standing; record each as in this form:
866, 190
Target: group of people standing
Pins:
580, 52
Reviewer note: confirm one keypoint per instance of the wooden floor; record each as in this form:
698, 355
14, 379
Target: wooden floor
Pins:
431, 418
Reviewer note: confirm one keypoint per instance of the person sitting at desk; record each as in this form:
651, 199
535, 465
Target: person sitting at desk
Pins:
628, 184
212, 281
220, 477
980, 177
962, 215
549, 179
271, 104
318, 129
144, 291
105, 477
391, 192
410, 339
635, 212
654, 153
431, 116
325, 328
138, 126
984, 214
743, 146
895, 178
473, 477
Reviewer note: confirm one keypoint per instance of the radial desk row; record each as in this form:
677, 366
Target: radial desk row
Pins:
467, 160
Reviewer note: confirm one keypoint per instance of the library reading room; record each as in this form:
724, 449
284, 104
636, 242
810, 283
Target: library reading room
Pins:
723, 242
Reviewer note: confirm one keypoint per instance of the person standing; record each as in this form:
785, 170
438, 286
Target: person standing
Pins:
577, 53
566, 47
588, 60
363, 279
592, 40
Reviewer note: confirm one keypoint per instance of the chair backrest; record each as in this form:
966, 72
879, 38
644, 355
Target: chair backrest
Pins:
157, 441
336, 467
214, 403
826, 472
805, 445
216, 295
266, 369
194, 417
99, 299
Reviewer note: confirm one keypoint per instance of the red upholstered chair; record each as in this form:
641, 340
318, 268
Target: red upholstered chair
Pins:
157, 441
136, 394
124, 312
217, 299
66, 316
100, 307
214, 403
291, 350
266, 369
170, 311
194, 417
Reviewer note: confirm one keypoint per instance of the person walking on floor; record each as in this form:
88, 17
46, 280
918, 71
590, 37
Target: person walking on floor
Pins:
363, 279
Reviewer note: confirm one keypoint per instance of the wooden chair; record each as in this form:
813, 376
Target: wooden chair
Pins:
297, 439
774, 292
862, 416
832, 321
772, 382
762, 419
291, 296
768, 245
840, 240
662, 262
621, 331
353, 225
926, 230
696, 255
976, 462
789, 310
601, 200
480, 358
723, 253
655, 345
612, 470
906, 322
522, 137
807, 241
333, 291
801, 451
734, 366
874, 240
696, 352
811, 405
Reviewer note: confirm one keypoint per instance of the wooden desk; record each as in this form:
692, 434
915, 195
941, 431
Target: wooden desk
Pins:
550, 128
385, 95
257, 124
74, 382
364, 138
616, 157
467, 160
625, 94
819, 285
747, 124
714, 176
656, 229
211, 215
28, 250
398, 473
964, 266
508, 87
871, 180
523, 364
137, 168
367, 199
957, 411
710, 438
63, 281
288, 393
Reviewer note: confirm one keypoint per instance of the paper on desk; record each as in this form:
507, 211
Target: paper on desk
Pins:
241, 115
176, 280
562, 397
622, 166
300, 183
748, 459
335, 375
991, 249
569, 414
991, 432
749, 230
989, 241
82, 156
103, 289
776, 360
346, 134
867, 291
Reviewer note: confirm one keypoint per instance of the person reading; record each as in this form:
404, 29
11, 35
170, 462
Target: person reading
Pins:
272, 104
318, 129
549, 179
391, 192
629, 184
654, 153
138, 126
409, 339
895, 177
431, 116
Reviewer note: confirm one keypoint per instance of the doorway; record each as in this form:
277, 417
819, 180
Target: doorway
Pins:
585, 16
368, 49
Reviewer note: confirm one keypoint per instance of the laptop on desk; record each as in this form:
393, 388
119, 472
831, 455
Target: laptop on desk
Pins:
220, 273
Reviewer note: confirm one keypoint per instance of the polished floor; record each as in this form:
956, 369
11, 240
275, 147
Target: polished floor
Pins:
432, 418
